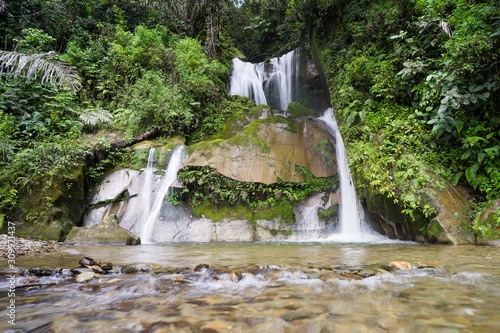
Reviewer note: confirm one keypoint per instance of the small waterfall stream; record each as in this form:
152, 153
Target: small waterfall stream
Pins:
247, 80
153, 211
352, 223
275, 85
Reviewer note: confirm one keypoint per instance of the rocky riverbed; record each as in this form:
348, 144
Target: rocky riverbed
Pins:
25, 246
257, 287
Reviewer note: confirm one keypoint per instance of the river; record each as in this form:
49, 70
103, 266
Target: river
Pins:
265, 287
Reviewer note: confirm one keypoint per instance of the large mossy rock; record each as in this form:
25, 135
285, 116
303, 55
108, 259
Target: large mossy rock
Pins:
106, 232
486, 225
269, 150
53, 207
450, 225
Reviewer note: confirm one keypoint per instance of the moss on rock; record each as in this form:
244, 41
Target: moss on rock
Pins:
296, 110
106, 232
53, 207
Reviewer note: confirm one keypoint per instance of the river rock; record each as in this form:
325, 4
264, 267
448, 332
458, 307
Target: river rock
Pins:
400, 265
86, 261
106, 232
84, 277
137, 268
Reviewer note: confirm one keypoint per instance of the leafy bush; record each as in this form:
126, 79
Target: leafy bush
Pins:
153, 102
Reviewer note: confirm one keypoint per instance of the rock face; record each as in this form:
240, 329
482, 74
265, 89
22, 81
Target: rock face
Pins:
106, 232
50, 210
259, 149
449, 226
485, 225
269, 150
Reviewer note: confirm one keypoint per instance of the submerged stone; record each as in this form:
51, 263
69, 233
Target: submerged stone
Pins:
137, 268
84, 277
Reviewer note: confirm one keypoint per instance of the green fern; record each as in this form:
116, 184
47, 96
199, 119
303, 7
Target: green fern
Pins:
94, 116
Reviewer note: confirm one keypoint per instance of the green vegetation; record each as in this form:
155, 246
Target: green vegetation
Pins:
414, 84
205, 183
134, 71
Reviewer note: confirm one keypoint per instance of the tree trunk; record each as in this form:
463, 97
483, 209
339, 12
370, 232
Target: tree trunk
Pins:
100, 153
213, 28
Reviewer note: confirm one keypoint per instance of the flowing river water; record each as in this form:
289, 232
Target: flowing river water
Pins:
262, 287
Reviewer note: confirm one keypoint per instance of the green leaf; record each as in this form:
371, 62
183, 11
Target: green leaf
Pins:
457, 178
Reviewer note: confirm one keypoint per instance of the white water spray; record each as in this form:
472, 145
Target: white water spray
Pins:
178, 157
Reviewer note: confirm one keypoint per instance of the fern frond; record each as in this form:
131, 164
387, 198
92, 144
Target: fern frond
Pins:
93, 116
31, 66
3, 5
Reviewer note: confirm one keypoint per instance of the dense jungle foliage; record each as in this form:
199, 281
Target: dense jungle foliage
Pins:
414, 83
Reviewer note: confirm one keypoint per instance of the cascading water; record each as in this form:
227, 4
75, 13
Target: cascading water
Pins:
276, 88
247, 79
352, 223
178, 157
283, 79
146, 196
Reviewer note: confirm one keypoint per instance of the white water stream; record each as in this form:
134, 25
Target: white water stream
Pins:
275, 85
247, 79
147, 227
353, 226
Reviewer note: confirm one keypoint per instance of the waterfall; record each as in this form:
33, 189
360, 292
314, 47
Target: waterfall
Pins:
276, 88
178, 157
282, 80
146, 195
351, 220
247, 79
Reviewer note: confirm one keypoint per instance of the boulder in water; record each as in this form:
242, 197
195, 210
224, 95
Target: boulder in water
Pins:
400, 265
84, 277
106, 232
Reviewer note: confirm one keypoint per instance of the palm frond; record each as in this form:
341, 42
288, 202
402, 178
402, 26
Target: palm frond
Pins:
3, 5
31, 66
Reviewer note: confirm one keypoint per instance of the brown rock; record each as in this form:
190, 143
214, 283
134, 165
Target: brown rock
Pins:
400, 265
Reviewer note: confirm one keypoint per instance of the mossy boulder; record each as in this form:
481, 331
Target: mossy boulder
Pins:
487, 225
241, 119
139, 152
449, 225
53, 207
296, 110
268, 151
108, 231
452, 223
